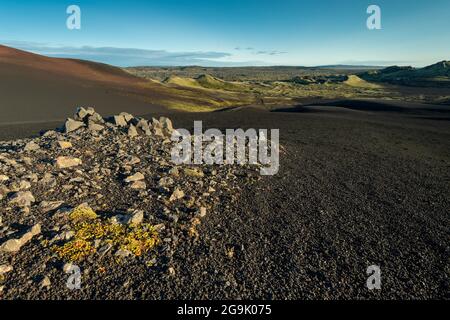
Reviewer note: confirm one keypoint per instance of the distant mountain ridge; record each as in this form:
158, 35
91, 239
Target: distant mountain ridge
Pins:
435, 75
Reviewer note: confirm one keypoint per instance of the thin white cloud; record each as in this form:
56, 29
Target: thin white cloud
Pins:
123, 56
260, 52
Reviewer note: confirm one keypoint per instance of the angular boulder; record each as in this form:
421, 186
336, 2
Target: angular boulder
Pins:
67, 162
72, 125
22, 198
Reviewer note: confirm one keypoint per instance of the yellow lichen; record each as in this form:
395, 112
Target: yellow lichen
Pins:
75, 250
193, 232
138, 239
82, 213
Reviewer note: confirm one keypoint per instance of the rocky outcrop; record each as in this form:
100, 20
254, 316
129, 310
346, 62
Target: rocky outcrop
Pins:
103, 189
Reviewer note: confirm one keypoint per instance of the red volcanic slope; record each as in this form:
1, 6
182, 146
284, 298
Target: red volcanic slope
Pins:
67, 67
35, 88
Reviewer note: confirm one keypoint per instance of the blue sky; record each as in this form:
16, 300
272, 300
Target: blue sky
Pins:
232, 32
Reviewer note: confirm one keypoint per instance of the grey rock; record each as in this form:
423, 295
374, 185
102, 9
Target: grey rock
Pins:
95, 126
46, 283
137, 217
67, 162
132, 132
48, 206
128, 117
177, 194
138, 185
120, 121
31, 146
20, 185
72, 125
165, 182
81, 113
64, 144
5, 268
22, 199
136, 177
14, 245
122, 253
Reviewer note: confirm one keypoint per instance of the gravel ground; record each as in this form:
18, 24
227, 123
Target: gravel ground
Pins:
355, 189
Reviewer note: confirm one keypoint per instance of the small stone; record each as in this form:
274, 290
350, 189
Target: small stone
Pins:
95, 126
65, 144
120, 121
136, 177
120, 219
166, 125
48, 206
3, 191
95, 117
138, 185
20, 186
72, 125
144, 126
132, 132
137, 217
230, 252
159, 227
104, 249
3, 178
176, 195
174, 172
81, 113
171, 271
46, 283
197, 173
5, 268
31, 146
22, 198
65, 235
10, 246
14, 245
132, 161
48, 179
122, 253
67, 162
165, 182
49, 133
68, 267
128, 117
27, 160
35, 230
202, 212
174, 218
158, 132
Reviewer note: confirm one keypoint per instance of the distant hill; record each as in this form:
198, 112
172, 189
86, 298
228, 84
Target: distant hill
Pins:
355, 81
211, 82
275, 73
436, 75
204, 81
349, 67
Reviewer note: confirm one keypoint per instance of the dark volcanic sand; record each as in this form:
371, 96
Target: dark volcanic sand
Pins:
355, 188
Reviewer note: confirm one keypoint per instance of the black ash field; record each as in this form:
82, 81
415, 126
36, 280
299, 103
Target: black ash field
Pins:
355, 188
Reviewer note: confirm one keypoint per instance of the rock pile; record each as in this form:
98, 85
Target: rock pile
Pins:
101, 190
